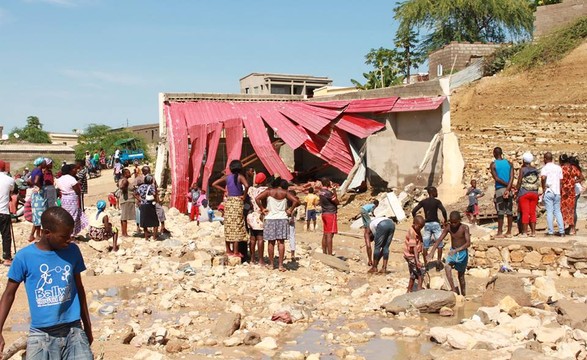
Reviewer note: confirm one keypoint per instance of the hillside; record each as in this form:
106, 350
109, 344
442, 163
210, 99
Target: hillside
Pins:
540, 110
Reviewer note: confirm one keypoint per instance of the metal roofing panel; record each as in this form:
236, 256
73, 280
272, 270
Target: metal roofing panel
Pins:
178, 147
337, 151
293, 135
233, 131
381, 105
309, 120
418, 104
328, 114
198, 136
335, 104
214, 132
358, 126
261, 142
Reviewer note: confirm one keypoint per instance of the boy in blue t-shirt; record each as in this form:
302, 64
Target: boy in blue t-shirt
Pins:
51, 271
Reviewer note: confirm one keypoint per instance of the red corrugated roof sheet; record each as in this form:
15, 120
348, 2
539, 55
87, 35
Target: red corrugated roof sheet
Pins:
418, 104
319, 127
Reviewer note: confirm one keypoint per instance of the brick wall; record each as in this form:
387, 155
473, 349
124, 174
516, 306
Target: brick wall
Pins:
550, 17
459, 54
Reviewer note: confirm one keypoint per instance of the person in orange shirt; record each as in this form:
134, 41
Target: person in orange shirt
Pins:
412, 251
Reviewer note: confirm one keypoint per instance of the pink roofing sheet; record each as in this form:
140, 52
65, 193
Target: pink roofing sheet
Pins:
337, 151
418, 104
178, 146
359, 126
214, 132
233, 130
293, 135
382, 105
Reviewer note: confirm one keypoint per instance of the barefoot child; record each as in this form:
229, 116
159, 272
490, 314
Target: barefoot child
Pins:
412, 251
473, 209
100, 228
311, 201
458, 255
50, 270
382, 229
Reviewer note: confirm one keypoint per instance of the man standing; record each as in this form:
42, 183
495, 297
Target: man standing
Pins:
503, 174
6, 187
329, 205
82, 178
551, 175
432, 228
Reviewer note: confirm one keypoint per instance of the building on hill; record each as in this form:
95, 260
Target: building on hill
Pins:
64, 139
282, 84
148, 132
457, 56
551, 17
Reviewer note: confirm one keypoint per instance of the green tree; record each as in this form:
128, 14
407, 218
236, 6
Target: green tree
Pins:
96, 137
466, 20
385, 71
408, 54
33, 132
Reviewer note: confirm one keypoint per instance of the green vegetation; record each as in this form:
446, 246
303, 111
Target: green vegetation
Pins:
96, 137
552, 47
546, 50
385, 71
33, 132
466, 20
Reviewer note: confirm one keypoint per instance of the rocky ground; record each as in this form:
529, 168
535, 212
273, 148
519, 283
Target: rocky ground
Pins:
181, 298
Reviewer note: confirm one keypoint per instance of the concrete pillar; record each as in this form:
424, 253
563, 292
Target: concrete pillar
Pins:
286, 154
450, 190
161, 161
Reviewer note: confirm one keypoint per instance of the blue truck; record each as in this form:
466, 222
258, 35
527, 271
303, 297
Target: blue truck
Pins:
129, 151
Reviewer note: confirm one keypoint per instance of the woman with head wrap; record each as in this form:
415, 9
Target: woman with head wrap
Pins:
571, 176
38, 201
50, 192
101, 228
146, 194
527, 185
70, 191
235, 187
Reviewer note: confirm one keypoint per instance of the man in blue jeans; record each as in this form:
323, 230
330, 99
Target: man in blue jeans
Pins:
551, 176
382, 230
432, 227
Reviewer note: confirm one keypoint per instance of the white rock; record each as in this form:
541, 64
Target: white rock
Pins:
436, 283
291, 355
233, 341
479, 273
146, 354
408, 331
267, 343
460, 339
315, 356
360, 292
550, 335
387, 331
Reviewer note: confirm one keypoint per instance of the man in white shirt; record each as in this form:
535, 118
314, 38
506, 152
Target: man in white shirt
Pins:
6, 186
551, 176
382, 229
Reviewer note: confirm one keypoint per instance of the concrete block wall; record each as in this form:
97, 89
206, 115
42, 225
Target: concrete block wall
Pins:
550, 17
459, 54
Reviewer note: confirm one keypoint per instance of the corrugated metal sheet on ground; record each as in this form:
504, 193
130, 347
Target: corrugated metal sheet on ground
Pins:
418, 104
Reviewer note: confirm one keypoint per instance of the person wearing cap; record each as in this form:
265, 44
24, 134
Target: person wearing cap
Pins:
38, 201
7, 185
527, 188
100, 228
26, 174
255, 219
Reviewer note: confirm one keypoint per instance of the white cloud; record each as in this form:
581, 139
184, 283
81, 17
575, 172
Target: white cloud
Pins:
94, 77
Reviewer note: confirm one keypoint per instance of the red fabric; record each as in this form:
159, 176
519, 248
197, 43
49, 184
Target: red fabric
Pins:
195, 212
329, 223
528, 203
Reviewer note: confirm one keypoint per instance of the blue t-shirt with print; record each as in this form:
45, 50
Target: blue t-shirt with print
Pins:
49, 282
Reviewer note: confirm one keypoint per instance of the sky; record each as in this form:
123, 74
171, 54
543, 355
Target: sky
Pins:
77, 62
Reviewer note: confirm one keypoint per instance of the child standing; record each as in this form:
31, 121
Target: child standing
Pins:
473, 209
458, 255
412, 251
50, 269
311, 201
195, 197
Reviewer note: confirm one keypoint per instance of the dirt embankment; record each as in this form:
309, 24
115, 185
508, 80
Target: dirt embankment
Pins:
537, 111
